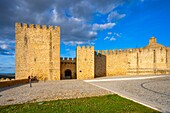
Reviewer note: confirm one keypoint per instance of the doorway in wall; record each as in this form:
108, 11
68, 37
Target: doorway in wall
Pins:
68, 74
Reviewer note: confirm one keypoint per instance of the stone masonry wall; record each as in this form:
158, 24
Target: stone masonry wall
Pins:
85, 62
37, 51
116, 63
109, 63
168, 57
140, 62
152, 59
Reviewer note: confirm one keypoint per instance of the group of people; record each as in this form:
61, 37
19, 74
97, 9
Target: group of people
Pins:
34, 79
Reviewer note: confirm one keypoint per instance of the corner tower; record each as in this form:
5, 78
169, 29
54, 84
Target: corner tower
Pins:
37, 51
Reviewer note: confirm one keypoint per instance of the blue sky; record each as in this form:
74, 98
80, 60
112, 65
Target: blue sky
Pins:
105, 24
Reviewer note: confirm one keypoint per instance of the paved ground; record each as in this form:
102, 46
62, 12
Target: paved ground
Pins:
150, 90
50, 90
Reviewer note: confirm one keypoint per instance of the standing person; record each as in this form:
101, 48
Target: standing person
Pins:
29, 78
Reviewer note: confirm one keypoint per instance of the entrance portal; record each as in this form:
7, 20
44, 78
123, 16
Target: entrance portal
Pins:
68, 74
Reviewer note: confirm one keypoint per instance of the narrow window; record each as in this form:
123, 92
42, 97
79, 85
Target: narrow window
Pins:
35, 60
154, 56
161, 50
137, 59
162, 59
25, 39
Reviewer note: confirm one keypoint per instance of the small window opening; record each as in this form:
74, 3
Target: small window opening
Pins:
154, 56
35, 59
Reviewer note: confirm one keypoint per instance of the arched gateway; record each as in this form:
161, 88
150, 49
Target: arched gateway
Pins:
68, 74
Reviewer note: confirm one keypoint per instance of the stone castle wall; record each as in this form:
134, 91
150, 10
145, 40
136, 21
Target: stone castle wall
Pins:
152, 59
37, 51
85, 62
116, 63
38, 54
68, 64
168, 57
109, 63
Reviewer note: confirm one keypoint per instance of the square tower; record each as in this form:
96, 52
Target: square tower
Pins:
37, 51
85, 62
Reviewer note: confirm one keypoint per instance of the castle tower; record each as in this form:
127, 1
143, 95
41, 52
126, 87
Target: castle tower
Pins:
37, 51
85, 62
152, 40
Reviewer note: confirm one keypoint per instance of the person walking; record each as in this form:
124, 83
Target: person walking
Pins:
29, 78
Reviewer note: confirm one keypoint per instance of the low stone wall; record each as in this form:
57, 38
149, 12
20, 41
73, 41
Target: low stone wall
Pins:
147, 71
8, 82
161, 71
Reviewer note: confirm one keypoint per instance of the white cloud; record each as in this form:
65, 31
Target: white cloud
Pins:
74, 43
76, 19
55, 16
92, 43
112, 39
115, 16
69, 53
103, 26
73, 29
7, 53
105, 6
92, 33
117, 34
4, 46
106, 38
109, 33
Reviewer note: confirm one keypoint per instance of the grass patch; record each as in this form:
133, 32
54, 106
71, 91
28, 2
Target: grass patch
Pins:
101, 104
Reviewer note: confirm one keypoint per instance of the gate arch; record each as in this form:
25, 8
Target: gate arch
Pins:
67, 74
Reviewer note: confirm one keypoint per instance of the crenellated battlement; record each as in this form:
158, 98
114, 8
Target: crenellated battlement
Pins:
116, 52
67, 60
85, 47
6, 79
108, 52
135, 50
35, 26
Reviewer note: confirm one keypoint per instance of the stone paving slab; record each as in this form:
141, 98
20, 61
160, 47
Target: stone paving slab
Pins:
49, 90
154, 92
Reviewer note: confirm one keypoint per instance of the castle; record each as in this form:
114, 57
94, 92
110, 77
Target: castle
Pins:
38, 54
